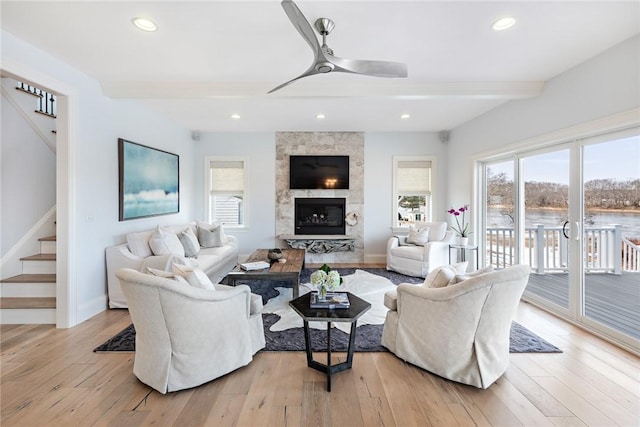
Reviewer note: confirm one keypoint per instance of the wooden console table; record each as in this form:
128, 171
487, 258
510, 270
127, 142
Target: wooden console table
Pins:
320, 243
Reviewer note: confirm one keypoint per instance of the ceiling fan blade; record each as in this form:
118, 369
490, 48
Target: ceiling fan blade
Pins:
310, 72
369, 68
302, 25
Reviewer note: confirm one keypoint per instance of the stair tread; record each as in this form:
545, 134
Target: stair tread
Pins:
30, 278
38, 302
47, 239
39, 257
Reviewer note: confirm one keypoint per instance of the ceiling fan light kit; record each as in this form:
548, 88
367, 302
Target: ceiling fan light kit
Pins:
324, 61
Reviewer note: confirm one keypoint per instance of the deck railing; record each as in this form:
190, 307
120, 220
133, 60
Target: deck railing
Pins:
546, 250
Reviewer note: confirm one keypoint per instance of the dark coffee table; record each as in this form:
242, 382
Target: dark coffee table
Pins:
357, 308
289, 270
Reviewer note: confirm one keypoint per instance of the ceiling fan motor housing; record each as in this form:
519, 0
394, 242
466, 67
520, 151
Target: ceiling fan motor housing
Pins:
324, 67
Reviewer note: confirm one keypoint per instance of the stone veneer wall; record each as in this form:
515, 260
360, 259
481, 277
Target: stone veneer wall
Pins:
322, 143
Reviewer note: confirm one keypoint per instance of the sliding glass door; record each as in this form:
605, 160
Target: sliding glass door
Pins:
572, 213
611, 238
545, 179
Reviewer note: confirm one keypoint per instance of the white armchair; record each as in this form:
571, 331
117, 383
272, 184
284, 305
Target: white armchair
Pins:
418, 261
461, 331
187, 336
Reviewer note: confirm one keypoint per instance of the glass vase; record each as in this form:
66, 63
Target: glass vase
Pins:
322, 292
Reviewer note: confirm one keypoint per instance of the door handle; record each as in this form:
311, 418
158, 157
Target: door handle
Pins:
564, 229
578, 231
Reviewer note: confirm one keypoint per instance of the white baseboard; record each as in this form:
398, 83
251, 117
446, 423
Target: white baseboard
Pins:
93, 307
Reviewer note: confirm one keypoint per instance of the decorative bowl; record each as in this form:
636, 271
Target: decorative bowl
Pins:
274, 254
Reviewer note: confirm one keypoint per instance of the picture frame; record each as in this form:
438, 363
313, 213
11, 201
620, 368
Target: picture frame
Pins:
149, 181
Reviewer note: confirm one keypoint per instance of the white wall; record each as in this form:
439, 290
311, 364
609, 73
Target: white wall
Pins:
602, 86
27, 193
100, 121
260, 151
378, 207
379, 150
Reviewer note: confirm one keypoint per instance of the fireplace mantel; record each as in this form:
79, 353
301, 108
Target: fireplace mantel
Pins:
320, 244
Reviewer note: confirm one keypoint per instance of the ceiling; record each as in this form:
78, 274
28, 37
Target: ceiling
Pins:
211, 59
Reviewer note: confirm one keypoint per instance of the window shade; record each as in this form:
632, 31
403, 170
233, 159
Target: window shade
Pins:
414, 176
227, 176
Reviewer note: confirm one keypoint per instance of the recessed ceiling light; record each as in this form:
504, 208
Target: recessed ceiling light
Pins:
503, 23
405, 116
144, 24
235, 116
320, 116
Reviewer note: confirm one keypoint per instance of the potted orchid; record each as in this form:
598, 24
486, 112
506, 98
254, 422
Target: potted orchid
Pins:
325, 278
462, 226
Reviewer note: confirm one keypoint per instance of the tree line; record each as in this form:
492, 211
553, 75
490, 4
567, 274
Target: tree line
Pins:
598, 193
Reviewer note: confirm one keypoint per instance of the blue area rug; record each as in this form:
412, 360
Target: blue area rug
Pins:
368, 337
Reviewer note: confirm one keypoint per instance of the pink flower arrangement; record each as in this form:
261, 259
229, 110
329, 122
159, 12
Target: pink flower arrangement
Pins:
462, 227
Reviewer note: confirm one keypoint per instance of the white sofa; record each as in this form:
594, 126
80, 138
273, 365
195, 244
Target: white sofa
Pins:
418, 260
136, 254
187, 336
458, 331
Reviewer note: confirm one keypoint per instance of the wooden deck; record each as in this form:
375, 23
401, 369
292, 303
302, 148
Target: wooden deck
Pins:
613, 300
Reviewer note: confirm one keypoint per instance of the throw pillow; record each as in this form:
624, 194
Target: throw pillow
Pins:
442, 276
211, 235
166, 275
194, 276
437, 229
417, 236
189, 242
462, 277
163, 242
139, 243
439, 277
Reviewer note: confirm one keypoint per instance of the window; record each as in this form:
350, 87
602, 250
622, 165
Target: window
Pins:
226, 187
412, 189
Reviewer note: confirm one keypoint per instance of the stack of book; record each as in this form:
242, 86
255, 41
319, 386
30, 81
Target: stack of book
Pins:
257, 265
331, 301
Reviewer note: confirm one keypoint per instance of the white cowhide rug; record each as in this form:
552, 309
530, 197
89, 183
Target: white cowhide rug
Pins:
369, 287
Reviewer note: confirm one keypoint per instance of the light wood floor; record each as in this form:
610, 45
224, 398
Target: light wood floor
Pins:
51, 377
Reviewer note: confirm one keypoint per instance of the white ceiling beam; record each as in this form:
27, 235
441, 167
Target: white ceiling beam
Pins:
316, 88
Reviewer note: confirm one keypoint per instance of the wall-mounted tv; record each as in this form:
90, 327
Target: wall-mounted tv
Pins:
318, 172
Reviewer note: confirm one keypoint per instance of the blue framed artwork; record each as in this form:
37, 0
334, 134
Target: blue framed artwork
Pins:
149, 183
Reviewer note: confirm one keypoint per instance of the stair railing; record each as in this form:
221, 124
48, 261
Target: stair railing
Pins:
46, 100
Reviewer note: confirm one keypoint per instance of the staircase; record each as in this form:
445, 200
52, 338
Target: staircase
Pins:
30, 297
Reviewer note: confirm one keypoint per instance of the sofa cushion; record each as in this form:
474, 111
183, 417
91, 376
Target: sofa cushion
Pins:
163, 242
189, 242
418, 236
139, 243
211, 235
440, 277
194, 276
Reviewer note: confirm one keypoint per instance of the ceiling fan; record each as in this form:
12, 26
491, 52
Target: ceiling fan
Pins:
324, 61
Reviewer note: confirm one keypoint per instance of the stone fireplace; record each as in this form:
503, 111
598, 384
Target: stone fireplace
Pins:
319, 216
322, 245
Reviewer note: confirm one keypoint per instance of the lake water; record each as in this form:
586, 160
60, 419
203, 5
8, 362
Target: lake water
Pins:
630, 221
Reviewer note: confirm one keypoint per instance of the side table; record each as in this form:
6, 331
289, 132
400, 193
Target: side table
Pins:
357, 308
462, 252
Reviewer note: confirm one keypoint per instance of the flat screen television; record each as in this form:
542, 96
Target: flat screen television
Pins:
318, 172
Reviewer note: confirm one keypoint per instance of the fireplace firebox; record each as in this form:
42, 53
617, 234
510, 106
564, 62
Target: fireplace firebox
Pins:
321, 216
